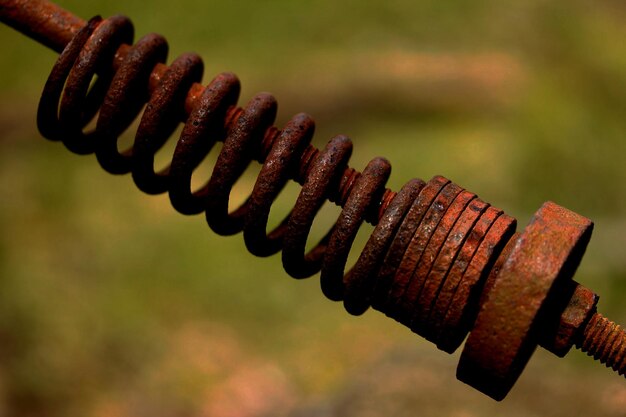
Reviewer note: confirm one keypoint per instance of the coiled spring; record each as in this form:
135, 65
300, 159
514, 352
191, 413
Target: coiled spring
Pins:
434, 244
440, 260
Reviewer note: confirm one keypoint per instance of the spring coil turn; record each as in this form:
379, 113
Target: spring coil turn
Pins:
434, 245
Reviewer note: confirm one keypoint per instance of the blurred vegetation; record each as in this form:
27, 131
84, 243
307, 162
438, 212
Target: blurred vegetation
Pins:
111, 304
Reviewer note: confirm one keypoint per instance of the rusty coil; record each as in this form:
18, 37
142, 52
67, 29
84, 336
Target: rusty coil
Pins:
440, 260
433, 245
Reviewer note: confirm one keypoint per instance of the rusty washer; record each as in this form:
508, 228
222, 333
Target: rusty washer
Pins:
544, 258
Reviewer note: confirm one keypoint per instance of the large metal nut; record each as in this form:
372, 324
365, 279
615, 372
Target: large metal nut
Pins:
505, 333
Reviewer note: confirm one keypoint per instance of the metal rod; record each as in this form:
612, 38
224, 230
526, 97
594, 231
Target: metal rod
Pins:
42, 21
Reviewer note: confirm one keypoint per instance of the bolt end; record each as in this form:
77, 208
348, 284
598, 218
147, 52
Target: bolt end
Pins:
606, 342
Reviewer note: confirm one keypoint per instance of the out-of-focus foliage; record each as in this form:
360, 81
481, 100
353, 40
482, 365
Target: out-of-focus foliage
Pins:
111, 304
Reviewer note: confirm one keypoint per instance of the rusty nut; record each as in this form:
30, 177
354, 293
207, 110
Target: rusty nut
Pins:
559, 336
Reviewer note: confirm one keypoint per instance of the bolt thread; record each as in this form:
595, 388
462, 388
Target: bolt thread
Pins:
606, 342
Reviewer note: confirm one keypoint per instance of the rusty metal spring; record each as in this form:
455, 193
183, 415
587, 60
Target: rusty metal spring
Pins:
469, 237
440, 260
70, 101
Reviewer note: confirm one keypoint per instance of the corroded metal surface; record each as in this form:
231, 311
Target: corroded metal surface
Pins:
440, 260
387, 296
443, 248
461, 312
418, 258
442, 277
363, 283
569, 319
41, 20
505, 333
606, 342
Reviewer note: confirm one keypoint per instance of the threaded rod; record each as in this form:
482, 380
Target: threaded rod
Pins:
606, 342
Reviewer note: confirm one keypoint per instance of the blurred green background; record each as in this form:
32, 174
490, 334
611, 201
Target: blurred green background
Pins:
112, 304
